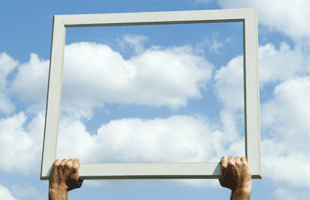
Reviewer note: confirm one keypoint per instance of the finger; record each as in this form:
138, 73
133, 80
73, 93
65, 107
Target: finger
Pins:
56, 165
231, 160
224, 164
237, 160
243, 159
76, 163
69, 163
224, 161
61, 167
63, 162
68, 168
54, 172
75, 167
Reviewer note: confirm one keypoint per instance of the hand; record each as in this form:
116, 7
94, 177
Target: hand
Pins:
236, 174
65, 175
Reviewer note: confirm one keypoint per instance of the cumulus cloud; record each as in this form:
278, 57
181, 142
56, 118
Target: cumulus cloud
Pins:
178, 138
290, 17
30, 82
287, 115
274, 66
284, 118
278, 65
21, 145
283, 166
285, 121
175, 139
5, 194
94, 74
6, 106
7, 66
229, 84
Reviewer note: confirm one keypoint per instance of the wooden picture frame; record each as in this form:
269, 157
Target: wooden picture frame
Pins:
204, 170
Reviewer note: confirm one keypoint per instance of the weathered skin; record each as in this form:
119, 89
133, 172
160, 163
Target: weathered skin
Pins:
64, 177
236, 175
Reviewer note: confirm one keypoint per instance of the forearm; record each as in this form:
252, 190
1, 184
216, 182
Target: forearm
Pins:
56, 194
241, 194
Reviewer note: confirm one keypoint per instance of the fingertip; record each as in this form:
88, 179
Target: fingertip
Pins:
230, 159
77, 163
64, 161
56, 162
224, 161
77, 160
69, 162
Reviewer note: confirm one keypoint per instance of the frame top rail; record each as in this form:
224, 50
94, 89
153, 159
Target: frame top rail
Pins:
152, 18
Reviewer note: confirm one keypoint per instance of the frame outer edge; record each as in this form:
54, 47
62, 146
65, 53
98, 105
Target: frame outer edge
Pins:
253, 139
152, 18
53, 97
55, 84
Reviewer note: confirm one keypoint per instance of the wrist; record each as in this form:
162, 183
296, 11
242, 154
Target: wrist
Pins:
58, 193
241, 193
244, 187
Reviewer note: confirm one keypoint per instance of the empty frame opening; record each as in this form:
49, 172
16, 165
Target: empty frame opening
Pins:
153, 94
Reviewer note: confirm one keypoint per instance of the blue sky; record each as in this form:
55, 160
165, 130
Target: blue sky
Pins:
170, 93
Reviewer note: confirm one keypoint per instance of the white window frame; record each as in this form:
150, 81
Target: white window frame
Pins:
199, 170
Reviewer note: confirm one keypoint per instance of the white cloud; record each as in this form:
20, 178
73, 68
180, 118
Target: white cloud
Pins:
278, 65
5, 194
24, 191
287, 115
284, 118
30, 82
73, 140
95, 74
229, 84
21, 146
284, 166
290, 17
7, 66
285, 121
135, 41
274, 66
175, 139
6, 106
